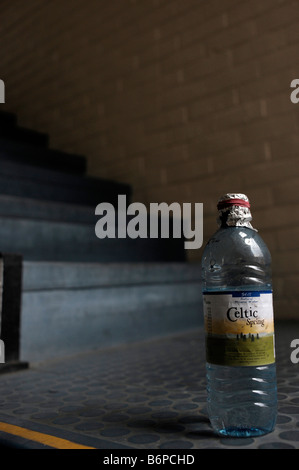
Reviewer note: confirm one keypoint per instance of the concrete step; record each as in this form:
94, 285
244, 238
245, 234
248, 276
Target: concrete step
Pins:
28, 181
27, 146
74, 307
47, 231
28, 153
24, 136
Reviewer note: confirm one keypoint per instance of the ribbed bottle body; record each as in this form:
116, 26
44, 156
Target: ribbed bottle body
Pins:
242, 400
237, 288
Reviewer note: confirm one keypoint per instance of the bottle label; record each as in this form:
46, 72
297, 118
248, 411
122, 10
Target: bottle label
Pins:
239, 328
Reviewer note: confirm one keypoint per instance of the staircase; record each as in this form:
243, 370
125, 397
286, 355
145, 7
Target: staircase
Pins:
79, 292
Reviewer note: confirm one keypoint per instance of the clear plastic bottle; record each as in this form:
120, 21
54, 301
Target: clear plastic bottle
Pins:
238, 312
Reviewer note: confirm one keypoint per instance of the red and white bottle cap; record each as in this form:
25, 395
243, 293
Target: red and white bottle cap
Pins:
234, 210
233, 199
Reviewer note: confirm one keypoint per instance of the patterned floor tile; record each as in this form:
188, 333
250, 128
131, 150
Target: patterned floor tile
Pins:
149, 395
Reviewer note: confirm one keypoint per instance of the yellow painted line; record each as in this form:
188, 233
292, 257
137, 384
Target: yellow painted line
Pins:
35, 436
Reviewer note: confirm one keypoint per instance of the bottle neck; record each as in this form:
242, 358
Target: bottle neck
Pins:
235, 216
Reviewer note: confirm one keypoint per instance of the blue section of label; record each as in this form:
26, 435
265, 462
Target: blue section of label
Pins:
242, 294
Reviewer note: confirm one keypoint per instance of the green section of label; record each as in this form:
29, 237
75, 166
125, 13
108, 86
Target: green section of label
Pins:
243, 351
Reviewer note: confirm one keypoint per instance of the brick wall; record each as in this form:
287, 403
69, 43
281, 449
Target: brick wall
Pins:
185, 100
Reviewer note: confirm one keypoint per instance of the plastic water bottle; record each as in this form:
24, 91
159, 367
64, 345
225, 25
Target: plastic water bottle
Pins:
238, 313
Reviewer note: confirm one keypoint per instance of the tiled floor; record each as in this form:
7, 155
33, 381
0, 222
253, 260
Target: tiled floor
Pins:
143, 396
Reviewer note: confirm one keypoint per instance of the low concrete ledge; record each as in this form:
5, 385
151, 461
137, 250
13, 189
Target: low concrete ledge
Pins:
69, 308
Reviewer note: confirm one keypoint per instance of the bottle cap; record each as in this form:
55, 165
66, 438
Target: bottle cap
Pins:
233, 199
234, 210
